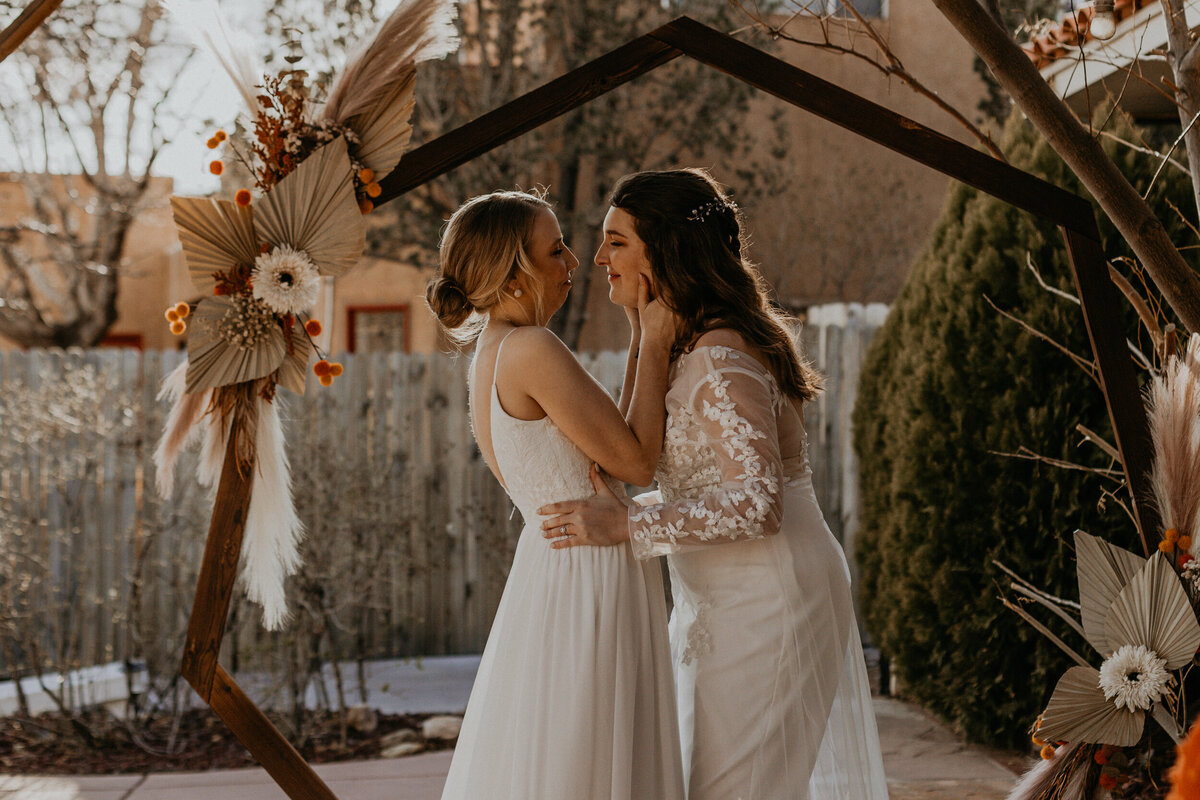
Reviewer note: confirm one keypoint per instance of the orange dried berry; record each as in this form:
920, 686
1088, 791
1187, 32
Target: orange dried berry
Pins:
1048, 752
171, 314
1165, 547
321, 368
366, 175
1184, 543
312, 327
336, 370
1185, 558
1100, 756
374, 190
242, 197
178, 327
216, 167
366, 206
220, 289
1171, 535
221, 136
1108, 781
182, 309
325, 380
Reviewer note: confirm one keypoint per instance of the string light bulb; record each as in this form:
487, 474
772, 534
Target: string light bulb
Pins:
1104, 20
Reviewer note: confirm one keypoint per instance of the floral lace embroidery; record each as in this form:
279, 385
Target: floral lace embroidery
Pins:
705, 510
699, 640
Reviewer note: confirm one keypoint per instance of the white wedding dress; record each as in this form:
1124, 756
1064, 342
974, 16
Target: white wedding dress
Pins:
574, 695
773, 697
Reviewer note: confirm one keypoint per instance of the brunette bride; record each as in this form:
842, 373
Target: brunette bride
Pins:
772, 689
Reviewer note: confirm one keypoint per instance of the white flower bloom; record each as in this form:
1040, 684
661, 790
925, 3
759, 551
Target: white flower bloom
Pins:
1191, 575
286, 280
1134, 677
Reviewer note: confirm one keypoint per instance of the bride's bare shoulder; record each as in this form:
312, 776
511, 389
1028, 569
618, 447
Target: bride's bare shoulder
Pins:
723, 337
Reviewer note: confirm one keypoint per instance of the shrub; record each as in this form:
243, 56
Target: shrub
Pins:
948, 386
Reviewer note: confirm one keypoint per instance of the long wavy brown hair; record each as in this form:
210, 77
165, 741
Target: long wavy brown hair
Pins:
694, 241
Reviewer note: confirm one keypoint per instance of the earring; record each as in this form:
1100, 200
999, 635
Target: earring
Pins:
518, 293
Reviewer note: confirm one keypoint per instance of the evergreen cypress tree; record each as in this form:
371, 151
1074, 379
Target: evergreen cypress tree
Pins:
947, 385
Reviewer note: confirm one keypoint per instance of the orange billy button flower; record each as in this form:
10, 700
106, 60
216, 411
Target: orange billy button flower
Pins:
1171, 535
1108, 782
336, 370
178, 327
366, 206
182, 309
242, 197
312, 327
1184, 543
222, 136
374, 189
172, 314
1166, 546
325, 380
216, 168
1185, 774
212, 143
1048, 752
321, 368
366, 175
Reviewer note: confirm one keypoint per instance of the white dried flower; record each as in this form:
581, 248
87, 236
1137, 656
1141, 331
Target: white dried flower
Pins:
286, 280
1191, 575
1134, 677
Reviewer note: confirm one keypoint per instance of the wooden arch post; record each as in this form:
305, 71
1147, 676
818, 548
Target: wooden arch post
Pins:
683, 36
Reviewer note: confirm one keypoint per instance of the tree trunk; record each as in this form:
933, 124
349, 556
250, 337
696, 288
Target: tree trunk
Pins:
1120, 201
1182, 55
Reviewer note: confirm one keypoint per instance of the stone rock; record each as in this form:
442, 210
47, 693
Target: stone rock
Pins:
445, 728
402, 749
402, 736
362, 718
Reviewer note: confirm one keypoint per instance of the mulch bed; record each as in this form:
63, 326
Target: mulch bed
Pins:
51, 744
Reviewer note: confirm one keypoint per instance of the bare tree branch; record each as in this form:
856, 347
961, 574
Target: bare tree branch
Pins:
1120, 201
890, 65
1087, 365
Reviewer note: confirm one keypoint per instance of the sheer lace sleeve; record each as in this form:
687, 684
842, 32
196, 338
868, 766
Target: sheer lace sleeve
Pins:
733, 406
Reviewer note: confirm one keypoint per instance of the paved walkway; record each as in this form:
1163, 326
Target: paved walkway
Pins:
922, 758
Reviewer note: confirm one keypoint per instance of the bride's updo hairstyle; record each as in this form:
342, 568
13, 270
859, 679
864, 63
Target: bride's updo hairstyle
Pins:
483, 247
694, 242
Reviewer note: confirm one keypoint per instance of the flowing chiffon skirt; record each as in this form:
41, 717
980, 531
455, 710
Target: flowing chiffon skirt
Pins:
773, 695
574, 696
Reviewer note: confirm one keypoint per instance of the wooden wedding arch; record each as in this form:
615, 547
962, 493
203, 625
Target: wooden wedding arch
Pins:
682, 37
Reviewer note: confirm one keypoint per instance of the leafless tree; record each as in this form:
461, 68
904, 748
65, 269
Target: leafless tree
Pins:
85, 113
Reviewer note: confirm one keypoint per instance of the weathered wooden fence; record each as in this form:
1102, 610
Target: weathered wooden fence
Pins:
409, 536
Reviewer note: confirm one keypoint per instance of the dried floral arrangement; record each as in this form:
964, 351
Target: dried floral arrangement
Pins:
259, 260
1140, 615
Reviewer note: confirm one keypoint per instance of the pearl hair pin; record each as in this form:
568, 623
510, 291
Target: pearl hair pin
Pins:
701, 212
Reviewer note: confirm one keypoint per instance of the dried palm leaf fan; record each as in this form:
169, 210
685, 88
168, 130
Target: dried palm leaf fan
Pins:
259, 262
1135, 612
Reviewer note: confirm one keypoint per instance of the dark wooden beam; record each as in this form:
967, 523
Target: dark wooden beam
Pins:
1102, 316
522, 115
871, 120
218, 573
29, 21
265, 743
